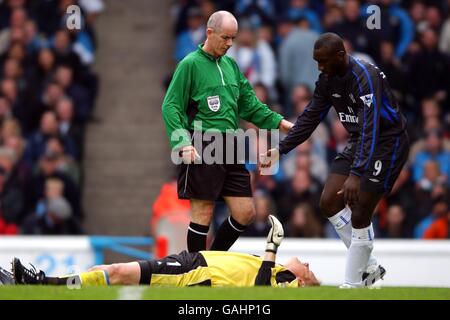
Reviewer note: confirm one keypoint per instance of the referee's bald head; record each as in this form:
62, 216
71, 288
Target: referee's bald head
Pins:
221, 19
221, 30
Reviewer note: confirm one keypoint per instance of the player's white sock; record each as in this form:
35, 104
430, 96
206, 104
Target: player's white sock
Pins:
358, 255
342, 224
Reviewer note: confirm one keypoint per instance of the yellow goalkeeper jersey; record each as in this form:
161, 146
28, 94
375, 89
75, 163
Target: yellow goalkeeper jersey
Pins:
219, 269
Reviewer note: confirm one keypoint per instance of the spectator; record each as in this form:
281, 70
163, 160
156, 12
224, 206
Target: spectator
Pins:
45, 65
65, 163
439, 229
433, 151
432, 185
48, 167
297, 46
353, 28
11, 194
299, 9
67, 126
303, 223
188, 40
439, 210
254, 57
429, 68
64, 53
396, 226
83, 107
49, 127
53, 214
301, 188
257, 12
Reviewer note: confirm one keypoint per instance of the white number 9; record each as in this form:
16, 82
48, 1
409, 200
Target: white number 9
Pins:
378, 165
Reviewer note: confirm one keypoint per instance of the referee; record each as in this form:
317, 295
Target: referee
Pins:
208, 87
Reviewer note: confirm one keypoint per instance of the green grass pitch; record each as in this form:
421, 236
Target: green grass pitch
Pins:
203, 293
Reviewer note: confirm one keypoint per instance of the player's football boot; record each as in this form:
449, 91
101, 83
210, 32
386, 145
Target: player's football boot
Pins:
6, 277
369, 279
24, 275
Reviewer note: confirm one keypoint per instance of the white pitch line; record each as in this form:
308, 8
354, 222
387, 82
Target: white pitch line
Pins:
131, 293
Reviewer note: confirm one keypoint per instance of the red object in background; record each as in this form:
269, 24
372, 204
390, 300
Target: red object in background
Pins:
161, 247
381, 210
168, 203
8, 228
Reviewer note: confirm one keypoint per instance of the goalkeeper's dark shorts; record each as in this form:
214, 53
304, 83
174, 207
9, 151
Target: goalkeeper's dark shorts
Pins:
214, 181
171, 266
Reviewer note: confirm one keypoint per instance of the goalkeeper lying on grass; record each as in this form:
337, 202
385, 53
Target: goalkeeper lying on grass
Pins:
208, 268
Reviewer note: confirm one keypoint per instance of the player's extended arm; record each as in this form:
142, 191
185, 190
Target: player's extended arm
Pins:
274, 239
307, 122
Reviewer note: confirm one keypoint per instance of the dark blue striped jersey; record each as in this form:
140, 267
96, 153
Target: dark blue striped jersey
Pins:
364, 104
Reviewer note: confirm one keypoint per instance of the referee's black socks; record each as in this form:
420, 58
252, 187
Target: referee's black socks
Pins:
227, 234
196, 237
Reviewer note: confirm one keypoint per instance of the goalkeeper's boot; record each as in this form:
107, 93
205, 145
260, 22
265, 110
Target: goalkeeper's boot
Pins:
369, 279
23, 275
6, 277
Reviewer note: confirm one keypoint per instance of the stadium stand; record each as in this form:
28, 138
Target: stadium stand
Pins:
47, 93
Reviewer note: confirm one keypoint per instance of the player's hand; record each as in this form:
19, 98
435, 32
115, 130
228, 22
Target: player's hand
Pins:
269, 158
189, 154
285, 126
350, 190
276, 234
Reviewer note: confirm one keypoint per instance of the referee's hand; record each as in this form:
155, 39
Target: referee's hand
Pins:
269, 158
189, 154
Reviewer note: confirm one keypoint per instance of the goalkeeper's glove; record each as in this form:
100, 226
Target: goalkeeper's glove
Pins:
275, 235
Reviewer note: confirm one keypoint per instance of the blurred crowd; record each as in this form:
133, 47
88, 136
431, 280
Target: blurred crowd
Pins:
274, 51
47, 93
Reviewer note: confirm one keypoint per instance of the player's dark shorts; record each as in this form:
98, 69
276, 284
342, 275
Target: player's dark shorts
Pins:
173, 264
387, 161
214, 181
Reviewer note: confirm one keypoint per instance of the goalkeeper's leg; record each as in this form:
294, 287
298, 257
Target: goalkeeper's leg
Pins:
118, 273
102, 275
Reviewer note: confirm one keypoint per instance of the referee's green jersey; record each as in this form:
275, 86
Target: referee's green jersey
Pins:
215, 92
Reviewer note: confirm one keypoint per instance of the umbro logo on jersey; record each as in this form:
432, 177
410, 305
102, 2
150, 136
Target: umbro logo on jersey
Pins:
367, 99
374, 180
336, 95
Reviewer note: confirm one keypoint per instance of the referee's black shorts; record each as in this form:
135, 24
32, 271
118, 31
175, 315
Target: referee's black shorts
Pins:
387, 161
214, 181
